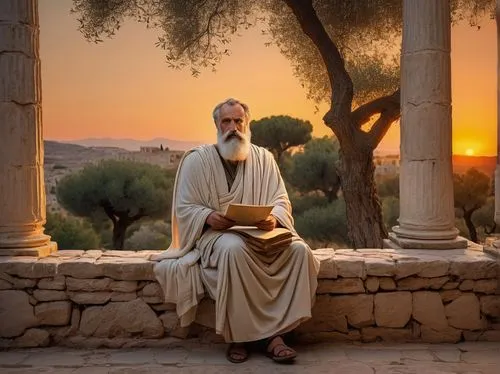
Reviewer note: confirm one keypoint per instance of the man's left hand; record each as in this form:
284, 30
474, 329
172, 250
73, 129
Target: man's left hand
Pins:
268, 224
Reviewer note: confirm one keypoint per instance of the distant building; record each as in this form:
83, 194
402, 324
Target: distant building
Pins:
386, 165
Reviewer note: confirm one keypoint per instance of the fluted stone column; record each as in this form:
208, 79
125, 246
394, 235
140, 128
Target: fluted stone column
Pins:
426, 181
22, 192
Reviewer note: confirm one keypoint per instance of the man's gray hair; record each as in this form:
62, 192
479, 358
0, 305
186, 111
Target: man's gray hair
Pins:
230, 101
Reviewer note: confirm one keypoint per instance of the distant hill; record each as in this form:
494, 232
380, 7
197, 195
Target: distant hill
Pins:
133, 144
486, 164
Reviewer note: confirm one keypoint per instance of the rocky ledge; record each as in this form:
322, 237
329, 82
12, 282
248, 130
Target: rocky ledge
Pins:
110, 298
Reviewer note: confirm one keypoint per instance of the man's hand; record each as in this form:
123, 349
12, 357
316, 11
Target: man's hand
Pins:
268, 224
218, 222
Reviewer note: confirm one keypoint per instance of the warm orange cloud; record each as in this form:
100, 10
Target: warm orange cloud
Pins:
123, 88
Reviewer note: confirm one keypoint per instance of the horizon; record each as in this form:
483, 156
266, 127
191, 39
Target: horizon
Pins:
96, 90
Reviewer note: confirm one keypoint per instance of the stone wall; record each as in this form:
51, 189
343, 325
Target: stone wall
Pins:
95, 298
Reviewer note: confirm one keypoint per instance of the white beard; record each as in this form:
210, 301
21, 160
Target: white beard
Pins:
234, 149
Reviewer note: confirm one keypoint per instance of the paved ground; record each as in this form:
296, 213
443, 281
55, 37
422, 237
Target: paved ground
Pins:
322, 358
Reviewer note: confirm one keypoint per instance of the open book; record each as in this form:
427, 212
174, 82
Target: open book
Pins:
248, 215
262, 240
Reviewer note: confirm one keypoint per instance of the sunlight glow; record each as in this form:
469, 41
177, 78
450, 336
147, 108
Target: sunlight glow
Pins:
469, 152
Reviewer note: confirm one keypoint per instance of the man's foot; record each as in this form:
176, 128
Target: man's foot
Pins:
279, 351
237, 353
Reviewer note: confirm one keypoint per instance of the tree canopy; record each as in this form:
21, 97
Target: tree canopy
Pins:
471, 192
335, 50
315, 168
122, 190
279, 133
70, 232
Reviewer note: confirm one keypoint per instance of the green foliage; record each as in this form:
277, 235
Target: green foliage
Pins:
484, 217
70, 232
315, 167
324, 225
280, 133
151, 235
471, 191
301, 203
198, 34
123, 191
390, 211
388, 186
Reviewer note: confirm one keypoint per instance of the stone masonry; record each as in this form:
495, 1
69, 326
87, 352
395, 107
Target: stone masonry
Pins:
111, 299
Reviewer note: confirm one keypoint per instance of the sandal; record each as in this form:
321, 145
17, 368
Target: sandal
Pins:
275, 353
237, 349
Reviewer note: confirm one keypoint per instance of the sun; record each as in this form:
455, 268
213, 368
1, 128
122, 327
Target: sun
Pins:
469, 152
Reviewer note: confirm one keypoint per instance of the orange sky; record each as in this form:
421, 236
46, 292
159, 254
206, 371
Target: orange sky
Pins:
122, 88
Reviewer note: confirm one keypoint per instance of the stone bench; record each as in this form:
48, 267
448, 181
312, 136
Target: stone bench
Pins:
110, 298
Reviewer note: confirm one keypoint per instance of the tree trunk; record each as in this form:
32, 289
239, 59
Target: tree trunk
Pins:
364, 214
119, 229
470, 225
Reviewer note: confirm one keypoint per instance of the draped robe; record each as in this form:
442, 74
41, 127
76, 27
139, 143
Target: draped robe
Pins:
256, 297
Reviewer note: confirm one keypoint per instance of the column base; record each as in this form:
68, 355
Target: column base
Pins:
42, 251
396, 242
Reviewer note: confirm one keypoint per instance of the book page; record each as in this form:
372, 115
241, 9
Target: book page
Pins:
248, 215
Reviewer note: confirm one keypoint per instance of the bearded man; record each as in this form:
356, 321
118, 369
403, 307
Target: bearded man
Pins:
257, 297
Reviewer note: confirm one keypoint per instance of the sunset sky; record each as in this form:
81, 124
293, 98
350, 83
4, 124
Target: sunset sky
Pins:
122, 88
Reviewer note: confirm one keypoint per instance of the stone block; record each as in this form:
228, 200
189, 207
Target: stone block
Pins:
490, 305
123, 286
83, 268
89, 285
393, 309
350, 266
20, 266
94, 298
340, 286
428, 309
387, 284
450, 285
151, 289
379, 267
473, 265
464, 312
45, 267
450, 295
466, 285
334, 313
56, 283
487, 286
422, 265
371, 334
33, 338
417, 283
123, 296
445, 335
17, 310
50, 295
127, 268
163, 307
328, 336
121, 319
57, 313
372, 284
4, 285
485, 336
170, 320
18, 283
328, 268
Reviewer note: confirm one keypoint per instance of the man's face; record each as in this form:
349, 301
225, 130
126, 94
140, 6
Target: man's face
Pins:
232, 117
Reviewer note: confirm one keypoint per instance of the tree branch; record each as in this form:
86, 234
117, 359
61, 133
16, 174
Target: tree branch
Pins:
363, 113
390, 111
137, 216
338, 117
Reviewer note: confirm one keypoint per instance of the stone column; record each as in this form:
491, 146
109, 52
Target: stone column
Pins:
426, 181
22, 192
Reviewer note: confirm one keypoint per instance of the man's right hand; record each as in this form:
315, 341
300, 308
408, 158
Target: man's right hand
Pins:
218, 222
